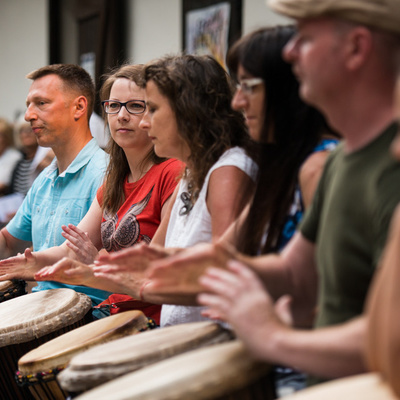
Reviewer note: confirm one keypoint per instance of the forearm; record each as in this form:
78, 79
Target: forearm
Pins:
147, 292
9, 245
50, 256
329, 352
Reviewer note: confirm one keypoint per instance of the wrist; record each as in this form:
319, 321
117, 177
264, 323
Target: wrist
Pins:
141, 290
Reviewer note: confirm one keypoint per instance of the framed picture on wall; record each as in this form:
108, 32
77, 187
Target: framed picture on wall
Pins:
211, 26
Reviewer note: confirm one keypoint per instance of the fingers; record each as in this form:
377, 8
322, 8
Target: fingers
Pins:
72, 246
50, 271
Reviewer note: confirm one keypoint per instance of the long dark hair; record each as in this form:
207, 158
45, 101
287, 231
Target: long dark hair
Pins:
118, 167
199, 92
296, 128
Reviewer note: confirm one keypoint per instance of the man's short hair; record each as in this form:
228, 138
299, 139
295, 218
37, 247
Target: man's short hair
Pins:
75, 78
381, 14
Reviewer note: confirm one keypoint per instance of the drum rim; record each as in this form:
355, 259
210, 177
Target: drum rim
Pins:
248, 370
129, 322
68, 314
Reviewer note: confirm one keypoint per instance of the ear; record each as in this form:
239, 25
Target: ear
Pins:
80, 107
358, 47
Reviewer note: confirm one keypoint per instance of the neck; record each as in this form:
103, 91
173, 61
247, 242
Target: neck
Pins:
137, 164
66, 152
362, 117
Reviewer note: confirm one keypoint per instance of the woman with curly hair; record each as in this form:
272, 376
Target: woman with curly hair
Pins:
189, 117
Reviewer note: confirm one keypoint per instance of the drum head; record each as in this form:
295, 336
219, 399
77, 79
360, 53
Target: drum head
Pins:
105, 362
58, 352
364, 387
200, 374
34, 315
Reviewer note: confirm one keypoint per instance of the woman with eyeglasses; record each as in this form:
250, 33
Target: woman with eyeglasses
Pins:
188, 116
293, 142
138, 185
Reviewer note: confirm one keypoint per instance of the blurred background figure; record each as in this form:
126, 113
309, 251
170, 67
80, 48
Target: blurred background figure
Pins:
9, 155
35, 158
32, 160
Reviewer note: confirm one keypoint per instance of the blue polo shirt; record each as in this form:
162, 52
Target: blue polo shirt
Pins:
56, 200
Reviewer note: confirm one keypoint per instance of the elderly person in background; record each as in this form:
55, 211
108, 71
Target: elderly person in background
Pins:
9, 155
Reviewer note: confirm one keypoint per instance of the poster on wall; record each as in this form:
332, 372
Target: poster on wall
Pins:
210, 27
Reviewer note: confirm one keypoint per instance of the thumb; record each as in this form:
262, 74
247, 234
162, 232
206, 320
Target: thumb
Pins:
282, 308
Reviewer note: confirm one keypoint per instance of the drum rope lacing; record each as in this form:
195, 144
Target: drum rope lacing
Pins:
45, 376
14, 291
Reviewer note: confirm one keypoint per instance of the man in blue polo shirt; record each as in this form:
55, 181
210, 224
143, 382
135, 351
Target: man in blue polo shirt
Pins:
59, 104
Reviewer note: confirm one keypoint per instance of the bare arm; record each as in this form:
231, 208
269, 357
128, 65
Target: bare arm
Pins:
310, 174
159, 236
25, 266
238, 297
383, 303
225, 198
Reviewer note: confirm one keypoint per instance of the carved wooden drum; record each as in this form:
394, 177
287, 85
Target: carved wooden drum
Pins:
221, 371
11, 289
38, 369
30, 320
105, 362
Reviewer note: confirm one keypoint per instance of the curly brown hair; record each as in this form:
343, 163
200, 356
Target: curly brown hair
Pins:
199, 92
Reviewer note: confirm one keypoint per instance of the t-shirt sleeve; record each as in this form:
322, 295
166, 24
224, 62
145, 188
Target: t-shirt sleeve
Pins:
21, 225
100, 195
310, 223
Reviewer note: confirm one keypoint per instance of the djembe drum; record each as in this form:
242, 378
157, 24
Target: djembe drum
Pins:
221, 371
105, 362
360, 387
30, 320
38, 368
11, 289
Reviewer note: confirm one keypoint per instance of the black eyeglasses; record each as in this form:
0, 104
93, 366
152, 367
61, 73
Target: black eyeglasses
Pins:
132, 106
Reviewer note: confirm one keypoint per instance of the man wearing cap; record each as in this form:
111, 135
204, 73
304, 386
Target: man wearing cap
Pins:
346, 56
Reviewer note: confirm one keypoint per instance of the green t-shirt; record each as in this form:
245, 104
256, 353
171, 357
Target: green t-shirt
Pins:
348, 221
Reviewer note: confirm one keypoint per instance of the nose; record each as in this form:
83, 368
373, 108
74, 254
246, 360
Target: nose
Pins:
290, 51
145, 122
29, 114
239, 101
123, 113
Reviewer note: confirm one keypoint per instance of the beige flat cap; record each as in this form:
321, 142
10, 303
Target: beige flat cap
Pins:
380, 14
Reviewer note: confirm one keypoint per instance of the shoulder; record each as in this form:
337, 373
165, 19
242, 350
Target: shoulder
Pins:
237, 157
168, 166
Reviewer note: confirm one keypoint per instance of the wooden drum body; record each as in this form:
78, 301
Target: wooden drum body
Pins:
38, 368
30, 320
222, 371
105, 362
11, 289
360, 387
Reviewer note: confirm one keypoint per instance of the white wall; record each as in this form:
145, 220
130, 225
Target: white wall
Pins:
155, 28
24, 47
